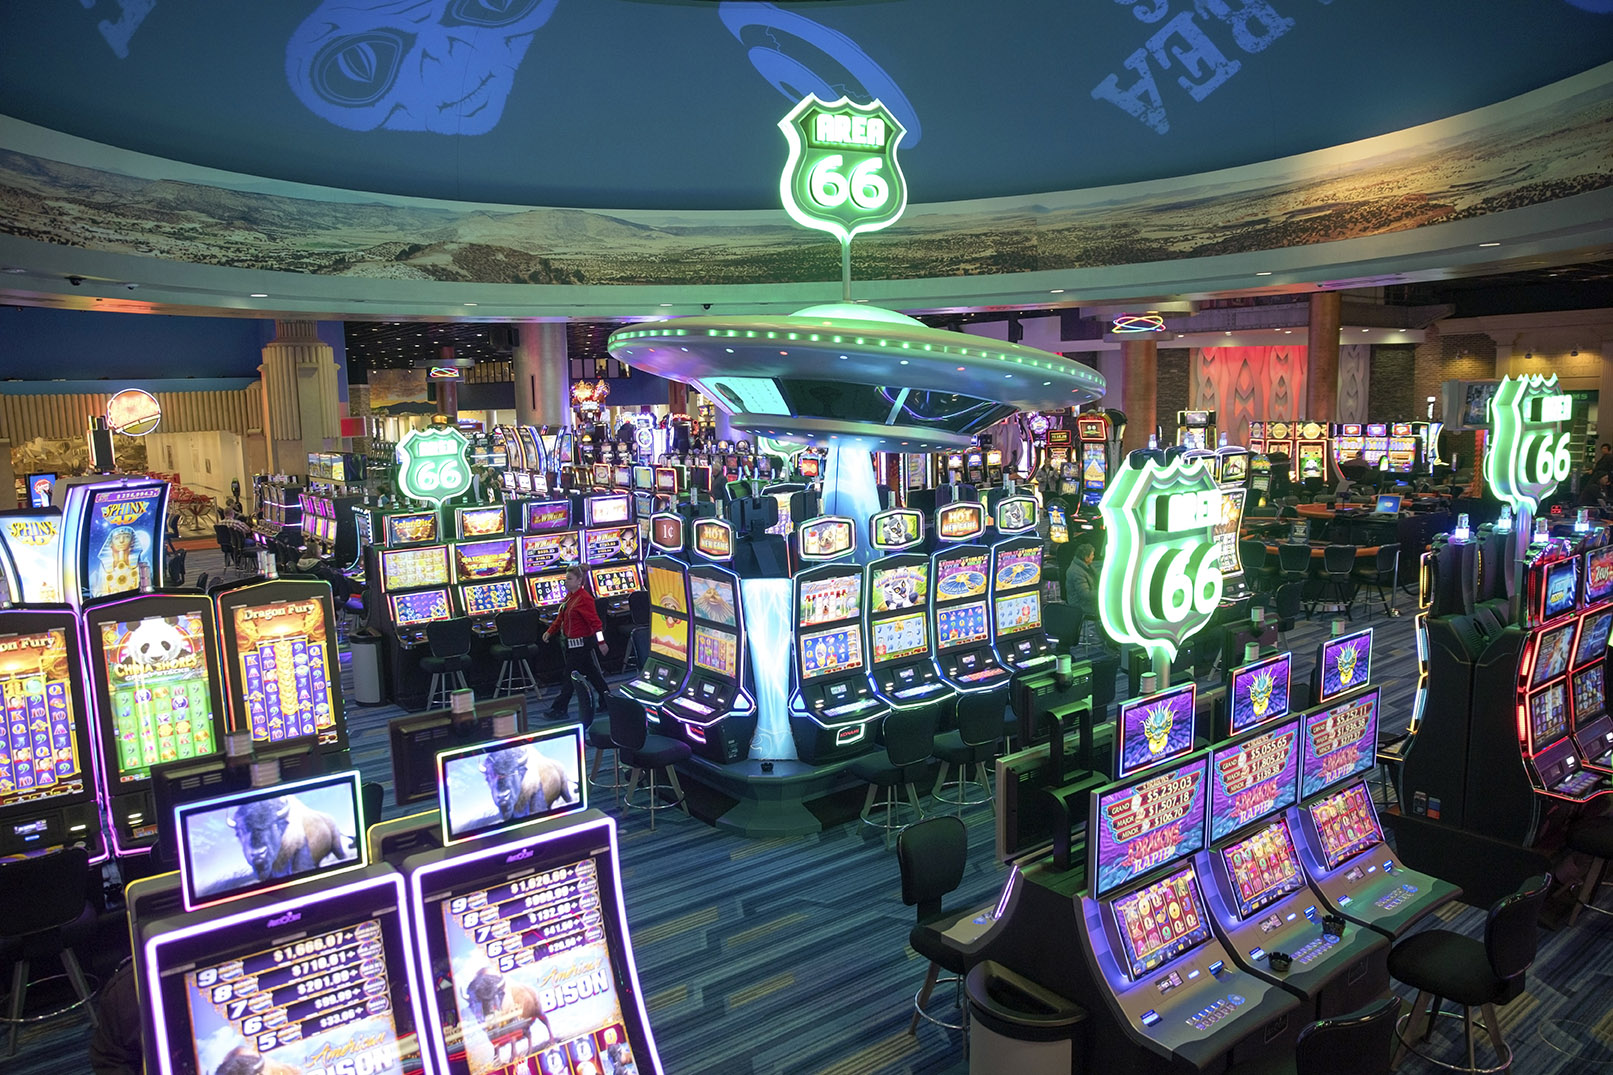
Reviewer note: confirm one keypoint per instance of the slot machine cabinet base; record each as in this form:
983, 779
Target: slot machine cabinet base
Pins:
724, 742
795, 799
1485, 869
817, 744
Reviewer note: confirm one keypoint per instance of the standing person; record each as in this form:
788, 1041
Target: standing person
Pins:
583, 636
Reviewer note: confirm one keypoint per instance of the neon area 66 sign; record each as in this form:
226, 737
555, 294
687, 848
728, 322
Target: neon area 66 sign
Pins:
842, 176
1161, 578
431, 464
1529, 452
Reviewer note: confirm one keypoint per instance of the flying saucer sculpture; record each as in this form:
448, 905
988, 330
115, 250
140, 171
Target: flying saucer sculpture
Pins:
845, 370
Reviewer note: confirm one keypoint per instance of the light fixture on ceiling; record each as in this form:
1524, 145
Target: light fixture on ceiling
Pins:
1489, 244
259, 295
1262, 274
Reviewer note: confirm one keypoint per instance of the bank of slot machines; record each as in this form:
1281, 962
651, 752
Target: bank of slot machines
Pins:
279, 511
1092, 431
666, 668
833, 708
487, 565
714, 711
901, 660
494, 942
1304, 442
1021, 642
959, 582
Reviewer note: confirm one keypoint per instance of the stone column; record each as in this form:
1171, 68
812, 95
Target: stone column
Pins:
542, 375
1140, 359
1322, 354
677, 397
301, 408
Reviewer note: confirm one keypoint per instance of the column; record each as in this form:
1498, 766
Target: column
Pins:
301, 404
1140, 359
1322, 353
542, 375
677, 397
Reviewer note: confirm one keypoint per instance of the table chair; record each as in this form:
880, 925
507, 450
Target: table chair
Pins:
1440, 964
520, 634
44, 911
1255, 569
641, 751
1293, 562
1288, 602
909, 736
449, 642
1338, 561
973, 743
931, 856
1591, 836
1384, 577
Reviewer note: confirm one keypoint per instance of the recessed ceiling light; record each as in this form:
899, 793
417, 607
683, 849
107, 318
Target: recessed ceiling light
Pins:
1229, 332
259, 295
666, 304
1489, 244
1056, 291
1363, 330
904, 362
1262, 274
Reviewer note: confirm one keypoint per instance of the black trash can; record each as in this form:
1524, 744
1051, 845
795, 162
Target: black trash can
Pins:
365, 647
1016, 1025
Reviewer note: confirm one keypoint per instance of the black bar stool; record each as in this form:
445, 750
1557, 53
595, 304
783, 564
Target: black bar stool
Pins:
449, 641
1591, 836
519, 636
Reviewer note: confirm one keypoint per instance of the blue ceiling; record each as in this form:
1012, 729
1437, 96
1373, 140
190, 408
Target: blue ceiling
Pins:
672, 104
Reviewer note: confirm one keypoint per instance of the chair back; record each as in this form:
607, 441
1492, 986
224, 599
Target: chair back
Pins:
1062, 624
201, 582
1253, 554
449, 638
1288, 599
1357, 1043
1387, 555
519, 627
910, 735
373, 797
931, 855
980, 717
629, 723
1294, 559
43, 892
638, 605
1512, 929
1338, 559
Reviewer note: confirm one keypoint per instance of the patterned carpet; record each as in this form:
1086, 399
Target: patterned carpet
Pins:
790, 956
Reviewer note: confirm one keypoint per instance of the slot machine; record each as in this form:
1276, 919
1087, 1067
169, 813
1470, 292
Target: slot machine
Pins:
274, 969
487, 576
954, 469
1311, 451
715, 710
974, 467
901, 659
610, 551
1196, 429
1349, 441
281, 675
32, 540
1093, 433
666, 669
411, 587
1404, 448
152, 663
1016, 588
113, 537
1375, 443
47, 777
547, 546
1260, 897
958, 585
1059, 446
833, 707
1260, 479
1593, 726
994, 466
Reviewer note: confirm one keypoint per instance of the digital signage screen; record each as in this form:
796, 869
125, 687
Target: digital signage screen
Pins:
1340, 741
39, 756
158, 674
1259, 692
1154, 729
1345, 664
1144, 824
1253, 778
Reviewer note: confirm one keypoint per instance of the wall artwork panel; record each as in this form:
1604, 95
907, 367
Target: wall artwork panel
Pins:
1250, 384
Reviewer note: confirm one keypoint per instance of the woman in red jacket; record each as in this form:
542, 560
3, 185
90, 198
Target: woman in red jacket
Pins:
583, 636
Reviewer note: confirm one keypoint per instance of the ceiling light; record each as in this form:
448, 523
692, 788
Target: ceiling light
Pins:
1056, 291
904, 362
470, 304
666, 304
1363, 330
1262, 274
1489, 244
259, 295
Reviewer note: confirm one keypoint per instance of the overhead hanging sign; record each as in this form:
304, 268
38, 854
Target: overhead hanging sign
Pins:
1161, 579
134, 412
842, 176
1529, 451
431, 464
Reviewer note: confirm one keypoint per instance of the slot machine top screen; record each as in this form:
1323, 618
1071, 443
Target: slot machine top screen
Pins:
712, 598
539, 552
157, 673
1598, 574
1344, 664
1018, 568
903, 586
508, 783
959, 577
1340, 741
613, 543
825, 538
39, 749
411, 528
1234, 467
1145, 823
408, 569
283, 679
121, 538
825, 600
481, 522
1560, 590
666, 588
1155, 729
1259, 692
606, 510
576, 968
1160, 921
1593, 636
1253, 778
489, 559
1556, 646
542, 516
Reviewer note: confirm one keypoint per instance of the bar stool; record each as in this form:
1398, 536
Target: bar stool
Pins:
519, 636
972, 744
640, 751
43, 912
909, 740
599, 738
449, 641
1591, 836
931, 856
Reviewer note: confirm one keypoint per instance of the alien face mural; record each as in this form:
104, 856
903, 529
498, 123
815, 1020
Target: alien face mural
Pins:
443, 66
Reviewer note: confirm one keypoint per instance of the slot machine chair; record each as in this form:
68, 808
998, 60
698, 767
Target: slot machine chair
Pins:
638, 647
1442, 965
758, 554
1356, 1043
520, 639
44, 911
599, 738
639, 751
1384, 577
1338, 561
1591, 836
449, 642
931, 856
1288, 602
909, 737
974, 742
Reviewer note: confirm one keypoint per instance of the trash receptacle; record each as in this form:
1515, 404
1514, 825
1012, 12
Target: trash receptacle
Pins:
365, 647
1019, 1026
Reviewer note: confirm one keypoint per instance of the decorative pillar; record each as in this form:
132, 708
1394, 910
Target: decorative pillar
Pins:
1140, 359
542, 375
1322, 351
677, 397
301, 403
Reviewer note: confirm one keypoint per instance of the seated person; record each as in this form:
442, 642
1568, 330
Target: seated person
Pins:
1596, 492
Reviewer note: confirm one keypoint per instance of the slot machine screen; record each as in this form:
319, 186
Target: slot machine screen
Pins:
622, 477
825, 653
546, 590
1160, 921
957, 577
1345, 664
1340, 741
615, 543
490, 598
546, 515
1263, 867
1551, 656
1154, 729
716, 651
606, 510
808, 465
898, 529
825, 538
1590, 693
1058, 526
712, 598
540, 552
669, 637
1018, 613
1598, 574
643, 477
891, 588
616, 581
1145, 823
39, 737
1346, 824
484, 559
511, 782
961, 625
235, 845
901, 636
1094, 467
412, 528
785, 525
666, 588
1234, 467
1548, 715
422, 606
1253, 778
158, 676
666, 480
290, 988
825, 600
285, 675
364, 524
122, 538
1018, 568
409, 569
1593, 634
1561, 589
481, 522
1259, 692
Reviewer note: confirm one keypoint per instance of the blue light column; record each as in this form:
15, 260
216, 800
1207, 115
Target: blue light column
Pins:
849, 488
770, 634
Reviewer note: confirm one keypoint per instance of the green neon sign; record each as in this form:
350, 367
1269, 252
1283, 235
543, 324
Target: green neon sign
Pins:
842, 176
431, 464
1528, 453
1161, 579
